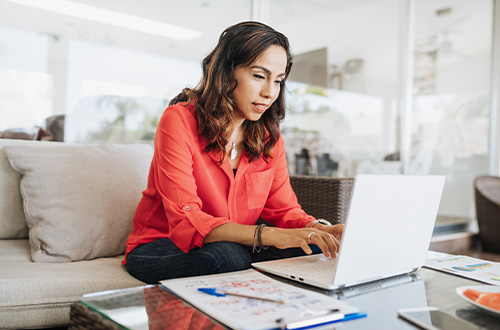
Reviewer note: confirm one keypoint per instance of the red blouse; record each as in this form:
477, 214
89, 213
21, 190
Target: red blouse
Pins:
189, 192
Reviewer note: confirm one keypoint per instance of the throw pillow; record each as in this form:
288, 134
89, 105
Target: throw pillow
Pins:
12, 220
80, 199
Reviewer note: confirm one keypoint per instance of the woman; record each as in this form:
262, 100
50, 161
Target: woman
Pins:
219, 163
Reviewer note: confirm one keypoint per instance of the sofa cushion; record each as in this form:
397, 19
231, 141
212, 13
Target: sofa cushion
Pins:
12, 220
40, 294
79, 199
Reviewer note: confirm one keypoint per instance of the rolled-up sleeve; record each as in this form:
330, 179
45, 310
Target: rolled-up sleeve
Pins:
175, 147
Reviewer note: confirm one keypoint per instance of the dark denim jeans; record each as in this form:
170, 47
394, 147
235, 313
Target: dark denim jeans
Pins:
162, 259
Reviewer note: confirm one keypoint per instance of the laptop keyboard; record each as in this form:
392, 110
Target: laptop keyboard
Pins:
322, 270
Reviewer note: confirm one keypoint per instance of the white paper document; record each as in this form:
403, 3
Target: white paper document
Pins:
244, 313
473, 268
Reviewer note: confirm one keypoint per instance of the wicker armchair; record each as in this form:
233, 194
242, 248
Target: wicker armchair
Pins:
487, 195
323, 197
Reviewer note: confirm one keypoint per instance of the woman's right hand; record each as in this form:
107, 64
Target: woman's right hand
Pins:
284, 238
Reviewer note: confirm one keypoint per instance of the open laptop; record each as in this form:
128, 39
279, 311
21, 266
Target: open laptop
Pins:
387, 233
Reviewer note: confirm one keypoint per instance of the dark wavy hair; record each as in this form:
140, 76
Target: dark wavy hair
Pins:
239, 45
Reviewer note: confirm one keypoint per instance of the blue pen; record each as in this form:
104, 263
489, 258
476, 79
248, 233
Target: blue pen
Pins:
322, 320
217, 293
353, 316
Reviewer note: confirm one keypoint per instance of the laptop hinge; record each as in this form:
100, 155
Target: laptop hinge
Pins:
355, 290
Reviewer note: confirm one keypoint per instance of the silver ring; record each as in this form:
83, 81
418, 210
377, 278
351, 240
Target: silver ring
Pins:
309, 236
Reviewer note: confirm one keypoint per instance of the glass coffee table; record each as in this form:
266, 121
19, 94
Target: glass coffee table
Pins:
146, 307
152, 307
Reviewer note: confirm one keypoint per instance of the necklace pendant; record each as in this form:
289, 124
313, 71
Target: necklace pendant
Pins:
234, 152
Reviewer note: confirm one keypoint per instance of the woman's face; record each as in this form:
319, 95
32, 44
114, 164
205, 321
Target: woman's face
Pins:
259, 84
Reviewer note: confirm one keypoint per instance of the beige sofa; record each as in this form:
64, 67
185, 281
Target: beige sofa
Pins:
65, 213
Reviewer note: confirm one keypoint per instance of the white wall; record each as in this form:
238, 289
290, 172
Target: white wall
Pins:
369, 31
139, 73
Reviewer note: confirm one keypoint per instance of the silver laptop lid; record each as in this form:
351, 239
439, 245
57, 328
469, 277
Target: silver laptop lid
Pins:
389, 226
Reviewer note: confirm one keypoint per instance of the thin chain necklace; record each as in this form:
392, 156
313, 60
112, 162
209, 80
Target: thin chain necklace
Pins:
234, 151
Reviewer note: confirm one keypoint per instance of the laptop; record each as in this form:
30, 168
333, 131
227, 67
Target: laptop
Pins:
387, 234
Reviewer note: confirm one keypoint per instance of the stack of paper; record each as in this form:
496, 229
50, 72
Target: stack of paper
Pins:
476, 269
245, 313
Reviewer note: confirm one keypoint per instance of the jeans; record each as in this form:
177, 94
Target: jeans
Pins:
162, 259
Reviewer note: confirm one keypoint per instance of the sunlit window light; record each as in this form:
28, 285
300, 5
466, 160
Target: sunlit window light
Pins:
110, 17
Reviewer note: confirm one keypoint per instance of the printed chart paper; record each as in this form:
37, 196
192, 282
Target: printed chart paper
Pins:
476, 269
243, 313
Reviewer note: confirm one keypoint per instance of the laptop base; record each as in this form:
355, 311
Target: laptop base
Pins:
375, 285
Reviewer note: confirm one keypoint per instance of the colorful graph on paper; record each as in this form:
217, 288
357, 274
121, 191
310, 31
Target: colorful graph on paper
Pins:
476, 269
244, 313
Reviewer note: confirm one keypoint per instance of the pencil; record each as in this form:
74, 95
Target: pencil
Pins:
252, 297
214, 292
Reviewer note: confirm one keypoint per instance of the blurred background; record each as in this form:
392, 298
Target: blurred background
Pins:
377, 86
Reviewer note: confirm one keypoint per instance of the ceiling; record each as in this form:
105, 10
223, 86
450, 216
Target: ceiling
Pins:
211, 17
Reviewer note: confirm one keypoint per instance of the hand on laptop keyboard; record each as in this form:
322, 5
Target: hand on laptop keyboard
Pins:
325, 237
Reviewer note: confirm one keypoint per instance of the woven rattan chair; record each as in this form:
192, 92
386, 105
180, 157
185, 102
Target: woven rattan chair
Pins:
323, 197
487, 195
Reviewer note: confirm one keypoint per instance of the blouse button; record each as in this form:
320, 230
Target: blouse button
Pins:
187, 208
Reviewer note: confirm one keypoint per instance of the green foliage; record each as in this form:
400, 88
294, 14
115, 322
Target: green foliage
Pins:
115, 130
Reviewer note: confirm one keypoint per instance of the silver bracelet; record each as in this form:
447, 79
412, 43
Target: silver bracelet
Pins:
254, 248
258, 240
321, 221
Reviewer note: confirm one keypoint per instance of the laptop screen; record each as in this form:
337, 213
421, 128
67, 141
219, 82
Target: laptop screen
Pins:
389, 226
